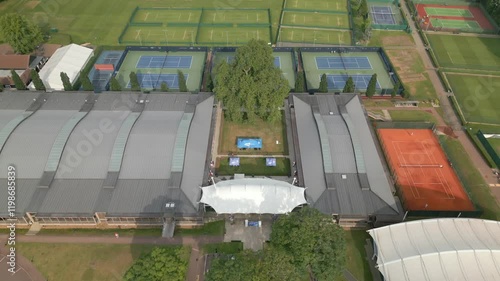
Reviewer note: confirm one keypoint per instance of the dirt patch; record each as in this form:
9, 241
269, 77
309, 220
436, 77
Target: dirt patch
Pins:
404, 61
397, 41
31, 4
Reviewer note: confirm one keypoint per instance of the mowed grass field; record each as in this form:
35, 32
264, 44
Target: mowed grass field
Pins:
482, 53
478, 96
254, 166
101, 22
269, 132
84, 262
308, 19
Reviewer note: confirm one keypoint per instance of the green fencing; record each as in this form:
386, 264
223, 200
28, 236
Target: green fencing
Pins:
315, 11
145, 24
404, 125
489, 149
133, 14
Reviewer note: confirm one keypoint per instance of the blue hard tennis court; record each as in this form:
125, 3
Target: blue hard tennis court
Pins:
338, 81
164, 62
343, 63
382, 15
154, 81
277, 61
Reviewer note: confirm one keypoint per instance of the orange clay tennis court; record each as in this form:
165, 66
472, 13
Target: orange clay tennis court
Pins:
422, 171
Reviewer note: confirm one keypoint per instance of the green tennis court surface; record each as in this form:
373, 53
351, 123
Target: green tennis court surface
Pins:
319, 36
317, 5
135, 59
156, 35
315, 19
235, 16
478, 97
468, 52
230, 36
434, 11
313, 73
284, 59
174, 15
459, 24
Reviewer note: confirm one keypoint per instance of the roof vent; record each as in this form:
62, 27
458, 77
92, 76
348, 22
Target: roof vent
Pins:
141, 101
344, 177
331, 113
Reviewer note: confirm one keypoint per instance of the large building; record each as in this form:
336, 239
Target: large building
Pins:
438, 249
113, 158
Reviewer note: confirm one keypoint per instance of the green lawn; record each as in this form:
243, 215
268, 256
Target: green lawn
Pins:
356, 255
101, 22
254, 166
466, 51
103, 232
472, 179
212, 228
223, 248
412, 115
478, 96
389, 38
83, 262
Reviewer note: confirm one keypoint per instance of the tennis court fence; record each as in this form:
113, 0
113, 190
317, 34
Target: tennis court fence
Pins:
488, 147
387, 15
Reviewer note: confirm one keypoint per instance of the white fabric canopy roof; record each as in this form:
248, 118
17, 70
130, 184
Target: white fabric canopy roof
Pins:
253, 196
439, 249
69, 59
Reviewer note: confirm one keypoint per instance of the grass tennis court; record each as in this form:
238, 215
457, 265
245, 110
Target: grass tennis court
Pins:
422, 172
468, 52
152, 75
454, 12
318, 36
159, 35
230, 36
328, 20
235, 16
317, 5
173, 15
478, 97
349, 65
455, 24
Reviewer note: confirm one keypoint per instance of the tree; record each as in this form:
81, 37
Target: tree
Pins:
251, 87
66, 83
349, 86
17, 81
114, 85
37, 82
300, 82
77, 84
210, 83
160, 264
493, 8
363, 9
323, 84
1, 87
20, 33
372, 86
315, 242
395, 90
182, 81
164, 87
86, 84
134, 82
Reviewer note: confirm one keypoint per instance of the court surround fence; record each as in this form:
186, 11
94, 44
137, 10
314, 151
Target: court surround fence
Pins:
401, 23
488, 148
424, 213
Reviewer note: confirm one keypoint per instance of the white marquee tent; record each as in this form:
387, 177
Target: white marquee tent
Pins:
253, 196
439, 249
70, 59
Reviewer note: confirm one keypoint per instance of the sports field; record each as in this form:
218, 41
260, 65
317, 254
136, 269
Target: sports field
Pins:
316, 36
478, 97
338, 67
154, 67
235, 16
171, 15
464, 18
317, 19
102, 22
231, 36
253, 166
422, 172
159, 35
466, 51
317, 5
283, 60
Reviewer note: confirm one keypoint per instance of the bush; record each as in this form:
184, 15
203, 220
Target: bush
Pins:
86, 84
134, 83
37, 82
349, 86
300, 82
17, 81
323, 84
164, 87
182, 81
66, 83
114, 85
372, 86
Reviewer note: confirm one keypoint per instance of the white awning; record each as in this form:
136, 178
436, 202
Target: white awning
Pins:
253, 196
439, 249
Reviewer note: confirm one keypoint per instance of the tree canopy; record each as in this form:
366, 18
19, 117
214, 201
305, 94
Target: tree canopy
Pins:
114, 85
21, 34
372, 86
134, 82
300, 82
323, 84
86, 84
164, 87
17, 81
159, 265
37, 82
182, 81
66, 83
395, 91
315, 242
251, 87
349, 86
493, 8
